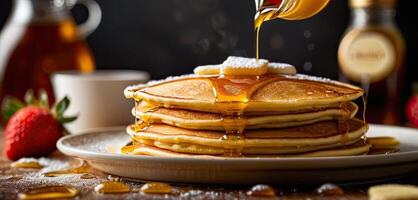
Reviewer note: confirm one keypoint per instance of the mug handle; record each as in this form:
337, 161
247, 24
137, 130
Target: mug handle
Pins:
93, 21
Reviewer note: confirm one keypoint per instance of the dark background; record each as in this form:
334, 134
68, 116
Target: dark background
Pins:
170, 37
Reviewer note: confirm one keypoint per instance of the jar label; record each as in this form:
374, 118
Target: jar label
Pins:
367, 55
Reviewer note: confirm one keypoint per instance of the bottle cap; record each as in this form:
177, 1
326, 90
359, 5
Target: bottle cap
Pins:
371, 3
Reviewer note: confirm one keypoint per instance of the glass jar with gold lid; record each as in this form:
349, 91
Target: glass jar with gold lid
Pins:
371, 53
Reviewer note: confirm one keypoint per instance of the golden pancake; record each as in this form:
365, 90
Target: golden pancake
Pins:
145, 106
320, 133
213, 121
265, 93
357, 148
208, 150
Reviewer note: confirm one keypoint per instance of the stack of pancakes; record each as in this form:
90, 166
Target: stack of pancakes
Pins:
282, 115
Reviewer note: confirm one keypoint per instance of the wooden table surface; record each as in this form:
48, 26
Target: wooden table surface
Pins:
14, 181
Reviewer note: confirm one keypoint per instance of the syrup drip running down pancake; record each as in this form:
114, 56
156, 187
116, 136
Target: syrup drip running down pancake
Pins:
255, 108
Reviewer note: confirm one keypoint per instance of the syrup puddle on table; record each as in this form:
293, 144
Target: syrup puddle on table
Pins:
49, 192
112, 187
156, 188
29, 164
262, 190
329, 189
83, 169
382, 145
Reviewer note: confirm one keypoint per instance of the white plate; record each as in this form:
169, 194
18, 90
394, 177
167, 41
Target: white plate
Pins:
93, 147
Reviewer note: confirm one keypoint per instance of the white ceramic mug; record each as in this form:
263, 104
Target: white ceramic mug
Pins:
97, 98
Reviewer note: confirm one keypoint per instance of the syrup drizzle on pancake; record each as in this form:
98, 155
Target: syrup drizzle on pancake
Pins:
137, 120
261, 16
232, 94
232, 99
364, 98
144, 122
128, 148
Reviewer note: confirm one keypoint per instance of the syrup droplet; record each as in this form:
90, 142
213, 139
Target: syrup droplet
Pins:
49, 192
110, 187
33, 164
262, 190
83, 168
330, 189
156, 188
86, 176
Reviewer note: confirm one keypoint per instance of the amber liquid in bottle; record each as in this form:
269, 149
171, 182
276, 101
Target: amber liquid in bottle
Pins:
371, 55
43, 48
50, 192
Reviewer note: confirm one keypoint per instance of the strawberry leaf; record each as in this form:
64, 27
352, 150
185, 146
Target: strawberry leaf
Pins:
9, 106
43, 99
30, 98
61, 106
64, 120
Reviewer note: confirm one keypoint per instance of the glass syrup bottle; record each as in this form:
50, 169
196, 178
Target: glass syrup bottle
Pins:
40, 38
371, 54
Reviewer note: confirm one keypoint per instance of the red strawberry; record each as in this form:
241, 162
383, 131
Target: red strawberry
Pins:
412, 110
33, 130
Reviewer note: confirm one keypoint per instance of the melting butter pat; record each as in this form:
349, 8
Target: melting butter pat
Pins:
244, 66
236, 66
281, 68
393, 192
207, 70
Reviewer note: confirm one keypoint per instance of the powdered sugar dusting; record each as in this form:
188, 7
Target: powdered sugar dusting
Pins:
23, 179
312, 78
242, 62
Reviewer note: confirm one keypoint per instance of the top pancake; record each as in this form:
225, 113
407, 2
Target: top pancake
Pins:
273, 93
